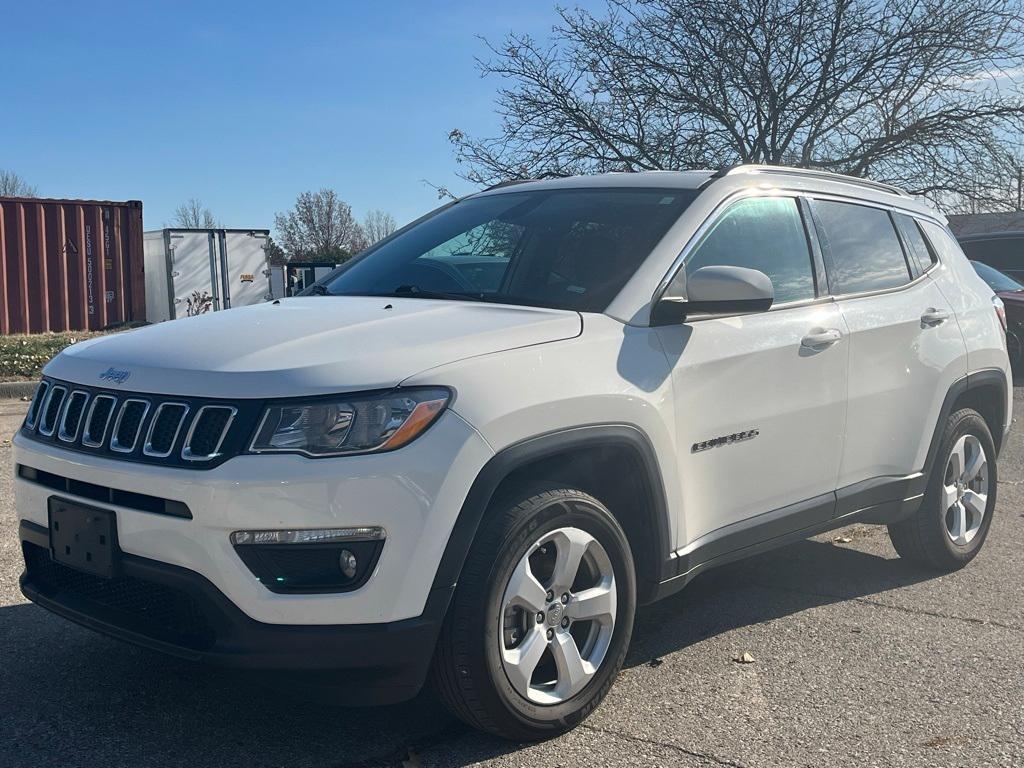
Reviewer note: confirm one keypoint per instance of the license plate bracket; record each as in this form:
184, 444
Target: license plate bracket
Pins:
84, 537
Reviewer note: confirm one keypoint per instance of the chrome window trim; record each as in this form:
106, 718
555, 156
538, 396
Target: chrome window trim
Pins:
62, 433
115, 444
46, 407
88, 420
147, 444
37, 400
186, 450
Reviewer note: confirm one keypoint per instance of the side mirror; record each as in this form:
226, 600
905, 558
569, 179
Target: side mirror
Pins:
717, 291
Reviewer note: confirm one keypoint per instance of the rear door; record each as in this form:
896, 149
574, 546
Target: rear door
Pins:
245, 274
760, 399
905, 345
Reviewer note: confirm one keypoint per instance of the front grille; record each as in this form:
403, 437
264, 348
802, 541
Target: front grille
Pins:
36, 404
207, 432
98, 420
72, 418
155, 610
51, 409
182, 432
128, 425
164, 428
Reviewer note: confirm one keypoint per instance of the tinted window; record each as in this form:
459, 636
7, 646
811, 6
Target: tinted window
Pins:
763, 233
996, 280
921, 256
563, 248
862, 252
1005, 253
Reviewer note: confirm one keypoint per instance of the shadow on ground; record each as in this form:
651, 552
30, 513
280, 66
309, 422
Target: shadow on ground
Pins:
72, 697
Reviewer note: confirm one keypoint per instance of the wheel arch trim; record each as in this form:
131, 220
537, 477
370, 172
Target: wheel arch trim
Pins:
988, 377
551, 445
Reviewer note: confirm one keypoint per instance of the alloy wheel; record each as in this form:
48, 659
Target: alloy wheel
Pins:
558, 616
965, 490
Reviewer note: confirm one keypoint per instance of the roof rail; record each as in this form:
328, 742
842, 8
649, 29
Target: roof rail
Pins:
811, 173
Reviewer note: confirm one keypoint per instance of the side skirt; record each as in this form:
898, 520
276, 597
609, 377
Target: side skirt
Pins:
878, 501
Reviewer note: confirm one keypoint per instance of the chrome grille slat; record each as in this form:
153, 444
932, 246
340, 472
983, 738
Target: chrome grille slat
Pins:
155, 423
187, 453
116, 444
75, 411
36, 406
89, 438
50, 414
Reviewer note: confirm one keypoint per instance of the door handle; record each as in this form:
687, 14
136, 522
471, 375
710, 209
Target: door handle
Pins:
820, 339
933, 316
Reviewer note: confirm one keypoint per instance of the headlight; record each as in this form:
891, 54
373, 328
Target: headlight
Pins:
349, 424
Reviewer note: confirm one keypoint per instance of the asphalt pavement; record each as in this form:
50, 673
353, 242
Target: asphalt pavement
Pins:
858, 660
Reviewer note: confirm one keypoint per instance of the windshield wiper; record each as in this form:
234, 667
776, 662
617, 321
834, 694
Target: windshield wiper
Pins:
317, 289
415, 290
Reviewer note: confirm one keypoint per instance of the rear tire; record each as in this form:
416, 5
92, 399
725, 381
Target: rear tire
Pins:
514, 658
950, 527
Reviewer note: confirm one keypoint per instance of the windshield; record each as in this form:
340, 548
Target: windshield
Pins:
564, 248
996, 280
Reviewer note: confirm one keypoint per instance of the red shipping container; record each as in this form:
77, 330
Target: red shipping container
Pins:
70, 265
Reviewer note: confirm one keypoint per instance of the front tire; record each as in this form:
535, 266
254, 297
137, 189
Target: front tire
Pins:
541, 619
950, 527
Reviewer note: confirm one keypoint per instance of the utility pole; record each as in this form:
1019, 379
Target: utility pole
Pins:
1020, 188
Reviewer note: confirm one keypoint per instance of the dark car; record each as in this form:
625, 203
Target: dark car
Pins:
1012, 294
1002, 250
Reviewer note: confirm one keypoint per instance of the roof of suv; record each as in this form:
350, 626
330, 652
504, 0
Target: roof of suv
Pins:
737, 177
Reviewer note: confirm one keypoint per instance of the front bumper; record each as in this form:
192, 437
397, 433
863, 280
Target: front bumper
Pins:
177, 611
414, 493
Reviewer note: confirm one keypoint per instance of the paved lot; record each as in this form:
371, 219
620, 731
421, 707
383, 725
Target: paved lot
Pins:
860, 660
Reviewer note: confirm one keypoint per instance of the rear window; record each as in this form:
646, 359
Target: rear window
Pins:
862, 251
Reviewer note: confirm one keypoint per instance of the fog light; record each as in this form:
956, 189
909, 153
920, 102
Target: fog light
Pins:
311, 560
349, 564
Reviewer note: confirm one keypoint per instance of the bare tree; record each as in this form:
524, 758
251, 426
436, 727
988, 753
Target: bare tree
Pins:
13, 185
194, 215
377, 225
926, 94
319, 228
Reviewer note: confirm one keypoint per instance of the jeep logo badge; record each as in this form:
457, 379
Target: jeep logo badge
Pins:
115, 375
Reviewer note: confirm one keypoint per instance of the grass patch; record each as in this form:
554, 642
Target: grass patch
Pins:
22, 357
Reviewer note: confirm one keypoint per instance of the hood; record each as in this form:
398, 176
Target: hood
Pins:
306, 346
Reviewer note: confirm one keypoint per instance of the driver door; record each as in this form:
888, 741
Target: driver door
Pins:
760, 399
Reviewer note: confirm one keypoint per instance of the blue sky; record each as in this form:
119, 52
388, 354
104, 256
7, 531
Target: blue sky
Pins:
246, 104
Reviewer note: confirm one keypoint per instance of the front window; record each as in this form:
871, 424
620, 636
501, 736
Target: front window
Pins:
766, 234
563, 248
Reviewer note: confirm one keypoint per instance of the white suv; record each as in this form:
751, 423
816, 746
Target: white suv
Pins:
470, 453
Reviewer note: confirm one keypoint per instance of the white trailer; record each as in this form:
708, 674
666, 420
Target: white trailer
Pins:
192, 271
